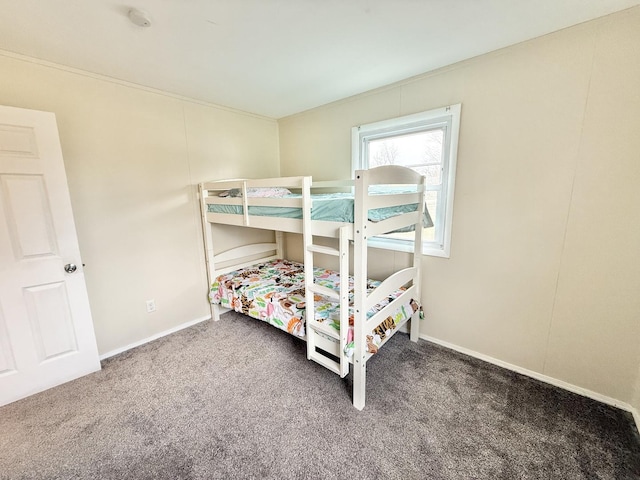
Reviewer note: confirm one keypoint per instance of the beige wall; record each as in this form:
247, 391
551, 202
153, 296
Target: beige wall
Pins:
544, 271
132, 158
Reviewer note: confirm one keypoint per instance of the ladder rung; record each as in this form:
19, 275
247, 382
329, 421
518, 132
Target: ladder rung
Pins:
323, 249
324, 328
327, 292
326, 362
326, 343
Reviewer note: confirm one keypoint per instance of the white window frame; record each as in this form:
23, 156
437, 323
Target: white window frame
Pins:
447, 118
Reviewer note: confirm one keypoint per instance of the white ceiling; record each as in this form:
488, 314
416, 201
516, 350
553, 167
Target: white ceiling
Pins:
278, 57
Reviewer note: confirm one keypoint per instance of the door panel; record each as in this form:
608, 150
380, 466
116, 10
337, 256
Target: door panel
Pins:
28, 216
18, 141
50, 319
7, 362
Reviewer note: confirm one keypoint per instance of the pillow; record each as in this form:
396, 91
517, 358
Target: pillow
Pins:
257, 192
234, 192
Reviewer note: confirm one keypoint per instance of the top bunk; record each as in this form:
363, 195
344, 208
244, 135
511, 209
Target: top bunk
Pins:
390, 195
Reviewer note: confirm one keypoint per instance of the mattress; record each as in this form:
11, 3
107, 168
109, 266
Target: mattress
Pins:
274, 293
335, 207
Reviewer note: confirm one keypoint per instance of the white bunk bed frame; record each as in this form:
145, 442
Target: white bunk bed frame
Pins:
358, 232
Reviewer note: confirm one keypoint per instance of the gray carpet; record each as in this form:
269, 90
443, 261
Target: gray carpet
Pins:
238, 399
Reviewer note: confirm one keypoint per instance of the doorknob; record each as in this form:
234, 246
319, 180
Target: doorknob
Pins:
70, 267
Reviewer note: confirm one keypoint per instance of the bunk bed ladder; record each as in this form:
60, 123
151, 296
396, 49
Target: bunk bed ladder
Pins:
317, 332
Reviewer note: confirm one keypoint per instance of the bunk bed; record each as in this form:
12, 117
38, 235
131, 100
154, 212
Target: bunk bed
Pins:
344, 322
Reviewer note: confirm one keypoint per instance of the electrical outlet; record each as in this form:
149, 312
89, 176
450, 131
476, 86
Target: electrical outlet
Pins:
151, 306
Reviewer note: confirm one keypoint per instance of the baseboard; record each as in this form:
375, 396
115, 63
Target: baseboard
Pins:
154, 337
543, 378
636, 417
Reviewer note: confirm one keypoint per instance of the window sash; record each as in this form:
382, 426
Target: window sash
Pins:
445, 119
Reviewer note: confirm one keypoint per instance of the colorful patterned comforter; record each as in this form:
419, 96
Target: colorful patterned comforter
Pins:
274, 292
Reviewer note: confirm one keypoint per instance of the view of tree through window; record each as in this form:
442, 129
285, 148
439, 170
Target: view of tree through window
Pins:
421, 151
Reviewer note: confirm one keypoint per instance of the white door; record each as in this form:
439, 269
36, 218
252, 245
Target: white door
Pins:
46, 331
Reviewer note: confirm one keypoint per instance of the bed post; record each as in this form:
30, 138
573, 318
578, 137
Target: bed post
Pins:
208, 247
279, 237
307, 240
360, 288
417, 263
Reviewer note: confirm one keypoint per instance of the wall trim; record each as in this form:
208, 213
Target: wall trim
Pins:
124, 83
156, 336
539, 376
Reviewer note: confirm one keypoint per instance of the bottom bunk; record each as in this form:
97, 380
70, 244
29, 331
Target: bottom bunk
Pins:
274, 292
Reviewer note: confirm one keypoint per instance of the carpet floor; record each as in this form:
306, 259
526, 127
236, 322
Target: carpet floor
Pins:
238, 399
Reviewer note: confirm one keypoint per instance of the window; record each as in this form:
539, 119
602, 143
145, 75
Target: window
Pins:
427, 142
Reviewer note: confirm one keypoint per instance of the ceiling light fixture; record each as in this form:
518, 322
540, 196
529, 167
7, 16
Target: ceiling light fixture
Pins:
139, 18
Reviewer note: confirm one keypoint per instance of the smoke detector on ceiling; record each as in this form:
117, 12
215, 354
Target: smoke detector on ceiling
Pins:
140, 18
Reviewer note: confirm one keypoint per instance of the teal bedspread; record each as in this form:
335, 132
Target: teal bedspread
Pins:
335, 207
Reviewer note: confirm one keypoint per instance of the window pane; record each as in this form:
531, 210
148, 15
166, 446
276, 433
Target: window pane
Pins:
428, 234
432, 172
409, 150
431, 200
